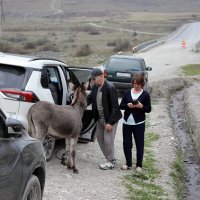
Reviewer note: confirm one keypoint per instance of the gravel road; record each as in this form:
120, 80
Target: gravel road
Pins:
91, 182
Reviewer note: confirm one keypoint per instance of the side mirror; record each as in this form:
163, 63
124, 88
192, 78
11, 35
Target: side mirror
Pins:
148, 68
14, 124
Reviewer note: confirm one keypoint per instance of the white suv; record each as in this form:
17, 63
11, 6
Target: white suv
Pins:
26, 80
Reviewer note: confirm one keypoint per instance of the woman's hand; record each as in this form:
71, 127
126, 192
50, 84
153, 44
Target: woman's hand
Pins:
138, 105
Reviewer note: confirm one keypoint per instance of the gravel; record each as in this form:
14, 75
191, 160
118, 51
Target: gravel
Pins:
93, 183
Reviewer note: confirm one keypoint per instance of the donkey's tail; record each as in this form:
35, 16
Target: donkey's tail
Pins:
31, 126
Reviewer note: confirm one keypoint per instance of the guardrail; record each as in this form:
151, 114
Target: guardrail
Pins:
146, 45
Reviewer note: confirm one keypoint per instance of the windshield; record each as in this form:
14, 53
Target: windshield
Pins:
125, 63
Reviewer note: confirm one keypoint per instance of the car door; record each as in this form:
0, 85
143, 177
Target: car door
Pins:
10, 165
78, 75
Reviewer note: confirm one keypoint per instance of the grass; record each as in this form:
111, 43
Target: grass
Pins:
191, 70
178, 175
142, 186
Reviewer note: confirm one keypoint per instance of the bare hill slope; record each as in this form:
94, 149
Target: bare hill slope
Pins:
45, 6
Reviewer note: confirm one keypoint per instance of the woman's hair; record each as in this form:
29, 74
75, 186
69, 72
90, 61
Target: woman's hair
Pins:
138, 78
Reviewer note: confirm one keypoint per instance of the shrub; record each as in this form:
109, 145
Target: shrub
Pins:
29, 45
8, 48
121, 45
94, 32
41, 41
18, 38
111, 43
84, 51
70, 39
50, 47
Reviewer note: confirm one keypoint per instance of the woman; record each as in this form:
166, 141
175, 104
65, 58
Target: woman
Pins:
136, 102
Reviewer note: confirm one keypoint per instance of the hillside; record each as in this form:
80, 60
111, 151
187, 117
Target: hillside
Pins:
38, 8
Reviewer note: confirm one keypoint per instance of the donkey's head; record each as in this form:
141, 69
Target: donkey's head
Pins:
80, 96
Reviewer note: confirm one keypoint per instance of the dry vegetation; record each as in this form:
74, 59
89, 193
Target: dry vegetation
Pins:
73, 39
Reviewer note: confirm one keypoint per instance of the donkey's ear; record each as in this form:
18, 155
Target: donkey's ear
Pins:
83, 86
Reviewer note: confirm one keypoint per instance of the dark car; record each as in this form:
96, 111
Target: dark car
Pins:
22, 162
121, 68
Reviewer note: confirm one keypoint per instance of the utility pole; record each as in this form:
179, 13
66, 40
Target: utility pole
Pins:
2, 17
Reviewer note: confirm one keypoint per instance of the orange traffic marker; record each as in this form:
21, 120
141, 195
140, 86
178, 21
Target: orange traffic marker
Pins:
183, 43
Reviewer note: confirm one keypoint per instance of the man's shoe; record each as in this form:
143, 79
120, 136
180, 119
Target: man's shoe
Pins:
107, 165
114, 161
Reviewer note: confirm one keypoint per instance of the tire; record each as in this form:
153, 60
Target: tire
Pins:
33, 189
80, 140
48, 144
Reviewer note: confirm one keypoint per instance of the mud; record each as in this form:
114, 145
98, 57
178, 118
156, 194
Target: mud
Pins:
190, 157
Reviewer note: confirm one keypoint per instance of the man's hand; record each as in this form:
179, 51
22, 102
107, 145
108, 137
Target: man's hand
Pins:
108, 127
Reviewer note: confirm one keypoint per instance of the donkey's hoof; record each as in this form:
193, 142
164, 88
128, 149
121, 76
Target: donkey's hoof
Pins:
64, 162
68, 167
75, 171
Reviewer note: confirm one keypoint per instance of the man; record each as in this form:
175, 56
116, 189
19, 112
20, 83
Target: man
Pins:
106, 111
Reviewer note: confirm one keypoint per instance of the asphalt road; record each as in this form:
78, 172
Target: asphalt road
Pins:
167, 58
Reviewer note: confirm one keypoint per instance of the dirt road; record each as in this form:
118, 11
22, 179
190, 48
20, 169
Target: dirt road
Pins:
93, 183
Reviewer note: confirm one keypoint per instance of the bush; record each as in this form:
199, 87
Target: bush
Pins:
70, 39
121, 45
18, 38
29, 45
50, 47
9, 48
84, 51
111, 43
41, 41
94, 32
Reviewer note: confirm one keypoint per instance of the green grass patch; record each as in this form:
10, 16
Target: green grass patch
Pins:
178, 175
142, 186
191, 70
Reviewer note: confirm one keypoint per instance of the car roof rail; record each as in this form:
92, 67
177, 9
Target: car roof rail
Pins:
41, 58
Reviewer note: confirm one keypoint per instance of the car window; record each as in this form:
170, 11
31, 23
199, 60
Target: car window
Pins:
11, 77
125, 63
53, 74
81, 74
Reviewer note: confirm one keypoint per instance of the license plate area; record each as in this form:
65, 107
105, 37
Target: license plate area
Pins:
124, 75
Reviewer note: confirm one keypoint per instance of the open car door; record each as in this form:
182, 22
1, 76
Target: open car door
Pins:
78, 75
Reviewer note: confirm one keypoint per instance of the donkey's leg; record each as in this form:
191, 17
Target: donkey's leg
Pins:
67, 160
73, 143
40, 130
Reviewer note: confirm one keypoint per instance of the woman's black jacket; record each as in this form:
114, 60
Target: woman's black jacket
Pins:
111, 110
138, 113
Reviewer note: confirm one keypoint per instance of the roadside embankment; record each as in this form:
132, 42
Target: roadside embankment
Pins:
168, 87
180, 95
192, 112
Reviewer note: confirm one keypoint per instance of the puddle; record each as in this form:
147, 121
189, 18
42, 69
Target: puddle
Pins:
191, 160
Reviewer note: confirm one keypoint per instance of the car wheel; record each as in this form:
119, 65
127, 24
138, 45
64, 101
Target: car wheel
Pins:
48, 144
33, 189
81, 140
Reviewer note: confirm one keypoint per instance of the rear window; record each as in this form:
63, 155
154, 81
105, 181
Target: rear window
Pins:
125, 63
11, 77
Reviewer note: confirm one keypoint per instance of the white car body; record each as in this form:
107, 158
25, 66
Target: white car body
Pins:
22, 81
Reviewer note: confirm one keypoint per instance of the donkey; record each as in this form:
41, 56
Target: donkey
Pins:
60, 122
